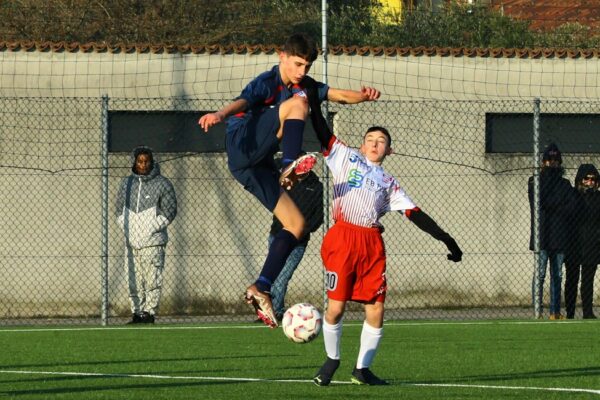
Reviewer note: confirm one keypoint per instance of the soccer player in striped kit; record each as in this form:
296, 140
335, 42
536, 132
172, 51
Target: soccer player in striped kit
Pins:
353, 252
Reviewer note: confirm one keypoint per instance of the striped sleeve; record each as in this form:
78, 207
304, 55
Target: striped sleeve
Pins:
337, 155
399, 200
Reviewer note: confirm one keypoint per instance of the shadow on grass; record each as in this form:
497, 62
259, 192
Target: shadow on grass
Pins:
103, 388
140, 360
543, 374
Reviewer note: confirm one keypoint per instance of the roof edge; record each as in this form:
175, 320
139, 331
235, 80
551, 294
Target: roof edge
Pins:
95, 47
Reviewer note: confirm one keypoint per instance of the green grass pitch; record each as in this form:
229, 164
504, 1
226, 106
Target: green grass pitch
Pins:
422, 360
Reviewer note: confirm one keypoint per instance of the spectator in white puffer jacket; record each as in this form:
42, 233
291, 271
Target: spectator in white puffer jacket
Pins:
146, 205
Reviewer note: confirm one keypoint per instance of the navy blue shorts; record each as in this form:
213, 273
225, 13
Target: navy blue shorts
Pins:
250, 151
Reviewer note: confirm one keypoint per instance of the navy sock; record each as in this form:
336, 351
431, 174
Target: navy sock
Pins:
291, 143
281, 247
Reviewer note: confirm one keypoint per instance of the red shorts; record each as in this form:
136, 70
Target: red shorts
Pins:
354, 259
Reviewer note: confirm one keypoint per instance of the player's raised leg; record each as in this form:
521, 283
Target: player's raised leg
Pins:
258, 294
292, 115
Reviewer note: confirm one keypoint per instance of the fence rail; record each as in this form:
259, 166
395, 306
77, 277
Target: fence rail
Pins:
62, 252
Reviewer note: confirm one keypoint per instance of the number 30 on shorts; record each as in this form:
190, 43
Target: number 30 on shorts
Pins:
331, 280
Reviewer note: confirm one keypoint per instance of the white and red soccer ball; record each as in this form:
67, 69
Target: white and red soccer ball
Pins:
302, 323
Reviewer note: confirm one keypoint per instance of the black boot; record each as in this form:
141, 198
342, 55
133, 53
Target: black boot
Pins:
147, 318
135, 319
324, 375
364, 376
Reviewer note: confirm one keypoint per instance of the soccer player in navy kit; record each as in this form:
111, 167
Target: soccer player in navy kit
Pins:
271, 109
353, 252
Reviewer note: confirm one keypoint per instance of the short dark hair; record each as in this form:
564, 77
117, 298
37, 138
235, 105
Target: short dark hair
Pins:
143, 150
138, 151
552, 153
301, 45
380, 129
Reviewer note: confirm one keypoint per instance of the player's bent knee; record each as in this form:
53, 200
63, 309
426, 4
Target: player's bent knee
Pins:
374, 314
334, 313
333, 319
296, 227
296, 108
298, 231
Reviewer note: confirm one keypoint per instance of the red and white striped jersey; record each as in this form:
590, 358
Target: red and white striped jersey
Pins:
362, 191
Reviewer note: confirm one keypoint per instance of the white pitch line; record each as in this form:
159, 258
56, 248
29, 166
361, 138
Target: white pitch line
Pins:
126, 328
237, 379
253, 326
150, 376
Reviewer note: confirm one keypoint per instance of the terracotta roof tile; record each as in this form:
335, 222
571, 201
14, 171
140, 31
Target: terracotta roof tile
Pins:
545, 14
262, 49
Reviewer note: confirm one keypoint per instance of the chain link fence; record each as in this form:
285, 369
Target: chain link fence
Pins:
63, 251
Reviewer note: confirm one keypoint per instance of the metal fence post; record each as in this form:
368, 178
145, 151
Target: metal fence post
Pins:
325, 170
104, 241
537, 302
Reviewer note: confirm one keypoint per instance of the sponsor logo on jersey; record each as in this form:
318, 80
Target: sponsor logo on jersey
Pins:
372, 185
355, 158
355, 178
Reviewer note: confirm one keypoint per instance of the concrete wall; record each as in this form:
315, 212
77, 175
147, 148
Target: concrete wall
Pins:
216, 77
50, 178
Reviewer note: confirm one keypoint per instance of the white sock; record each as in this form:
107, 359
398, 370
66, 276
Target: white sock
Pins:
369, 342
332, 335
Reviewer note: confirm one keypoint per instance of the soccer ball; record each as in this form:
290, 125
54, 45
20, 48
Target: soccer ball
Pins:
302, 323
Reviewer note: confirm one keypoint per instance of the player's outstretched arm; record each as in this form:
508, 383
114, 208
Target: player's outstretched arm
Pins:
343, 96
207, 121
324, 133
427, 224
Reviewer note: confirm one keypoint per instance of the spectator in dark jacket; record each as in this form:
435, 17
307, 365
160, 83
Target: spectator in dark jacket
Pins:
556, 204
583, 255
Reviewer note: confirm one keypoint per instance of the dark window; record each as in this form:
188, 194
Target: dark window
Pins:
163, 131
173, 132
513, 133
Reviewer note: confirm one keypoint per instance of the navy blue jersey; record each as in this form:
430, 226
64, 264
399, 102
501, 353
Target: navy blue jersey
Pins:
264, 91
